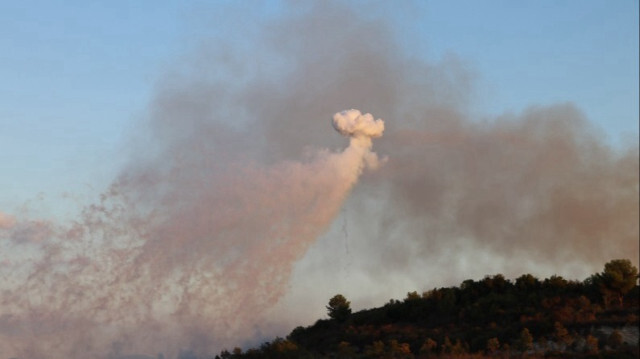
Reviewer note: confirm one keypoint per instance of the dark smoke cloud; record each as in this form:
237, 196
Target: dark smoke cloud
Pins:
230, 183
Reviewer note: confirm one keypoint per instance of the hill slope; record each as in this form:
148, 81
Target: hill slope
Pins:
494, 316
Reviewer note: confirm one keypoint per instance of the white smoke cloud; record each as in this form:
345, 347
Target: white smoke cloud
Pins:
360, 128
353, 123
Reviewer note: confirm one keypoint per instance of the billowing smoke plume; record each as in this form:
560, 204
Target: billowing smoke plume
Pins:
358, 126
226, 189
192, 268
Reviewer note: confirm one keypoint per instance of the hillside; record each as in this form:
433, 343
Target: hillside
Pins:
492, 317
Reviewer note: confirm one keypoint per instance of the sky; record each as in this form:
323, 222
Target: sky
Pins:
77, 74
177, 160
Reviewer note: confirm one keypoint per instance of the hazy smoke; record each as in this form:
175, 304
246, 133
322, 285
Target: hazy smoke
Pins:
226, 190
6, 221
203, 260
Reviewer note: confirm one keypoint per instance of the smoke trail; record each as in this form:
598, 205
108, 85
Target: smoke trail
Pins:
138, 276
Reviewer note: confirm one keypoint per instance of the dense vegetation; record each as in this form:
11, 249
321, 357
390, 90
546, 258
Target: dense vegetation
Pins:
494, 316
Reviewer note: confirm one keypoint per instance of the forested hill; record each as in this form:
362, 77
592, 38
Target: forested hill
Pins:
492, 317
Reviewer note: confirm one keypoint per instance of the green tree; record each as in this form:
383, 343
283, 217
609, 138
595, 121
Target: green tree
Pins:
497, 283
617, 279
493, 345
375, 350
562, 335
615, 339
591, 344
399, 350
345, 350
280, 348
526, 340
507, 349
428, 347
527, 282
339, 308
555, 284
458, 348
447, 347
412, 296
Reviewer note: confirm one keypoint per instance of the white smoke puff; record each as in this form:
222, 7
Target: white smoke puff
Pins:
360, 129
6, 221
353, 123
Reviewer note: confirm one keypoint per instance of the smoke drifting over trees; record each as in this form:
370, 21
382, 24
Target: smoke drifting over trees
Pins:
236, 173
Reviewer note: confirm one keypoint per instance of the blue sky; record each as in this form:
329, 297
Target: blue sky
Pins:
76, 76
542, 52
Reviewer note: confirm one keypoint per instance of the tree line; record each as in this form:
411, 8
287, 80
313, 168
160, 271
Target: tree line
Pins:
491, 317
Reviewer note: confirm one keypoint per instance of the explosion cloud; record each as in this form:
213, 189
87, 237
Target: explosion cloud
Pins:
218, 218
356, 125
